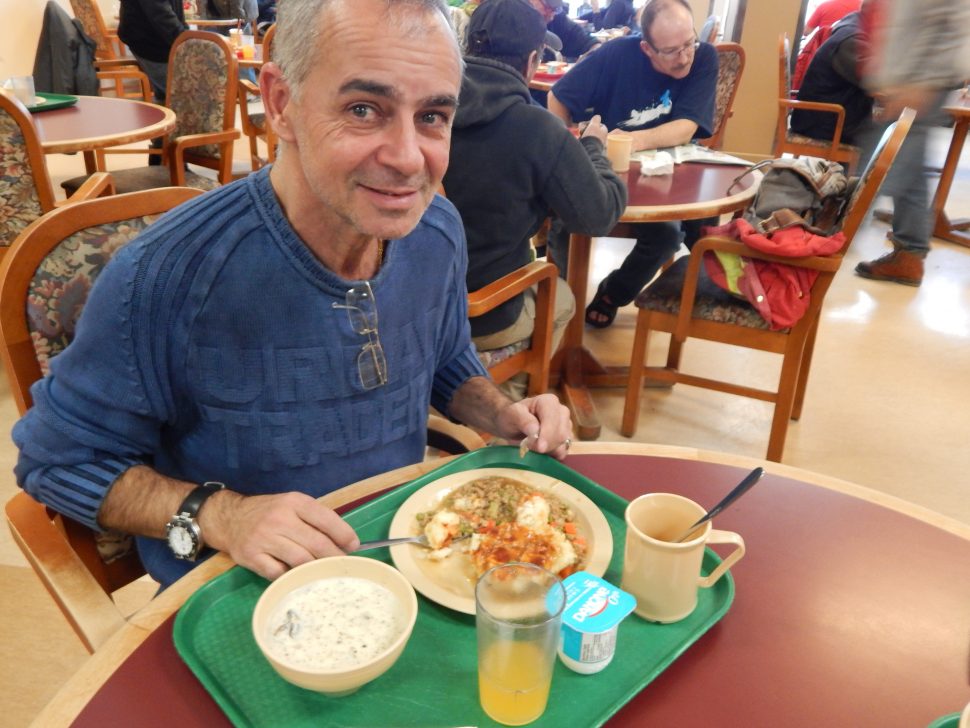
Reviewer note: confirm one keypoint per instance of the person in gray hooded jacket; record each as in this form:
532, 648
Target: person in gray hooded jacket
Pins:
513, 164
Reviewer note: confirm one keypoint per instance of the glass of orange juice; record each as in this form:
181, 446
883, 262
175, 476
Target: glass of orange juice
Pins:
518, 613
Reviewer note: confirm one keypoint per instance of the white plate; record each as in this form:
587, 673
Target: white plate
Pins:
451, 582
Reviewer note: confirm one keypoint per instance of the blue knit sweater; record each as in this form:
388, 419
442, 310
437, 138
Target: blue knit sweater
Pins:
210, 349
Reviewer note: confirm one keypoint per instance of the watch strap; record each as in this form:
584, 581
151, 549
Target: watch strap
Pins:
193, 502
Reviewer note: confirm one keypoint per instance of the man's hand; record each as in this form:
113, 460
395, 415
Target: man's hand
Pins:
594, 128
543, 420
479, 403
270, 534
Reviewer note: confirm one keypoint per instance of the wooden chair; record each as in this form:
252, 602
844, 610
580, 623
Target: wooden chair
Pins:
685, 303
68, 249
788, 142
112, 60
532, 355
256, 126
730, 58
26, 191
201, 90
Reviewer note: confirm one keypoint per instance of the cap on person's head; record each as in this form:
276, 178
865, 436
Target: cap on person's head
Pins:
508, 29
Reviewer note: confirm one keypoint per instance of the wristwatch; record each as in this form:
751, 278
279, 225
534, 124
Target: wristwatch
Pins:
184, 534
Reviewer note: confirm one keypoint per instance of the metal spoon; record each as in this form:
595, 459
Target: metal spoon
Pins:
421, 540
739, 490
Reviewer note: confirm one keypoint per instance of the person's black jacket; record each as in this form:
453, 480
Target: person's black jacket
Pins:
150, 27
575, 40
619, 14
512, 165
64, 63
833, 77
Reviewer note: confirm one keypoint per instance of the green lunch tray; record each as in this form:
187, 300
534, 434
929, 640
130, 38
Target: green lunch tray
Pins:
49, 102
435, 681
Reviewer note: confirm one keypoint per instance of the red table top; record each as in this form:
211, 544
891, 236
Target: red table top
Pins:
96, 121
846, 613
691, 189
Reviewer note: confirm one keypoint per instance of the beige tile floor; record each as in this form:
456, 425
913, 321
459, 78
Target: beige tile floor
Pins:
888, 406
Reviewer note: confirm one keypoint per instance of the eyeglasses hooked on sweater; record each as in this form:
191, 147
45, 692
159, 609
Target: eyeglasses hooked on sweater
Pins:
362, 311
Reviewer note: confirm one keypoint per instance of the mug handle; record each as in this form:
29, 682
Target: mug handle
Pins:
732, 558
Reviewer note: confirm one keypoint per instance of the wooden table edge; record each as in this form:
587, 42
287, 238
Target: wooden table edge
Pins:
70, 700
165, 125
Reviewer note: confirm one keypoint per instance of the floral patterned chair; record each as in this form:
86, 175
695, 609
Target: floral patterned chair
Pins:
730, 58
685, 303
26, 191
44, 283
201, 90
112, 60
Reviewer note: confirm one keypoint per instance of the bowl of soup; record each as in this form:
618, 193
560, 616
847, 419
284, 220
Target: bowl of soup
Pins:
335, 624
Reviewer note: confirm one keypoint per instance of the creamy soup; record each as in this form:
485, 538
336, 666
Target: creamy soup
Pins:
335, 624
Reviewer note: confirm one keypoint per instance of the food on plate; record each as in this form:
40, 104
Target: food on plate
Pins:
335, 624
508, 521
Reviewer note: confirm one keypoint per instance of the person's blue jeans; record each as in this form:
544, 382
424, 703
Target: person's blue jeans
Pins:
157, 73
906, 181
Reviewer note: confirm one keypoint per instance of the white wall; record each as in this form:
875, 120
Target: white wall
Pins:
20, 30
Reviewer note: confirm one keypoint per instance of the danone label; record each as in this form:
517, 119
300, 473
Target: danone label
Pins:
594, 605
594, 609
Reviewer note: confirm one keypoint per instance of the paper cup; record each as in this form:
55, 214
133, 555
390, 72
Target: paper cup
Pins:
619, 146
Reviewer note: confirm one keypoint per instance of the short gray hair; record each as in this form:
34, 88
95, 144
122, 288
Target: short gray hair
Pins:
298, 26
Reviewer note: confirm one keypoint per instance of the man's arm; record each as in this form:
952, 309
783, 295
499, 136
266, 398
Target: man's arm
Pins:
671, 134
267, 534
478, 403
558, 108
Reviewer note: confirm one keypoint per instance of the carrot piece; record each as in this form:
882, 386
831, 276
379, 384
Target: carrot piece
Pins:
569, 528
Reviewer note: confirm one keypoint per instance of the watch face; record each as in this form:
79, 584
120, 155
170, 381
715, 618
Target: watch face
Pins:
181, 540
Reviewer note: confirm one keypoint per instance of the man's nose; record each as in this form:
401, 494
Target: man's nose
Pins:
402, 148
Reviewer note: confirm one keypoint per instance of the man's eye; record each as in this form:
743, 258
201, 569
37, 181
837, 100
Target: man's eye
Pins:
361, 111
435, 118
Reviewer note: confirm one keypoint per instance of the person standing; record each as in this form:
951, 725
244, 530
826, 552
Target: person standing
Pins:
829, 13
149, 28
917, 56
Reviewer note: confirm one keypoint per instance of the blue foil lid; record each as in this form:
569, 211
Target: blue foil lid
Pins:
594, 605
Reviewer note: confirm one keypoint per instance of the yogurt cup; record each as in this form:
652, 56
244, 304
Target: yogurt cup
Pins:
594, 610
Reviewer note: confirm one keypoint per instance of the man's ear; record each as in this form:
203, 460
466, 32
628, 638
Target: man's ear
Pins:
277, 95
532, 66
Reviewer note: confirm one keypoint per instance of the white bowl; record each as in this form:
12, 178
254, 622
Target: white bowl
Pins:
345, 681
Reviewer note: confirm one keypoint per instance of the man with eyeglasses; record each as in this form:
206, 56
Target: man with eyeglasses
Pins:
659, 88
283, 336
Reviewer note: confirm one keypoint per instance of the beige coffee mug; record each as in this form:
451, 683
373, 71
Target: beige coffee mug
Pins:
619, 146
663, 575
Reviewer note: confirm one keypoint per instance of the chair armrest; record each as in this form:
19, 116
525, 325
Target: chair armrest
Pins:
107, 64
488, 297
99, 184
179, 145
87, 607
837, 109
452, 438
123, 73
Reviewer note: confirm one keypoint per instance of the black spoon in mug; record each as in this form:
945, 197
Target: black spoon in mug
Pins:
739, 490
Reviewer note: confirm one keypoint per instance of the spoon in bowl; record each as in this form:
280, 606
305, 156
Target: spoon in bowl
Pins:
739, 490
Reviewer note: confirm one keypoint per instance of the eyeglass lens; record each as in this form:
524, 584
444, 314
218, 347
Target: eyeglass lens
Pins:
362, 312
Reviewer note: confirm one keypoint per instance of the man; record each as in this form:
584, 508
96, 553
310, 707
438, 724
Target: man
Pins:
286, 334
917, 57
576, 42
833, 77
149, 28
513, 162
661, 90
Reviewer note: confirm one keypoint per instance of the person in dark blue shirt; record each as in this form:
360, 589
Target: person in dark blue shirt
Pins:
661, 89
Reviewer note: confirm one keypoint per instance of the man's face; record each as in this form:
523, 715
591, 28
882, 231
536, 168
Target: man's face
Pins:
671, 44
546, 12
371, 128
